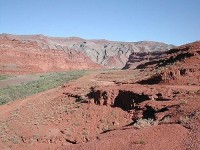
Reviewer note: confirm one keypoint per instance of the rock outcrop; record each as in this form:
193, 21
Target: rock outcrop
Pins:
23, 53
22, 57
138, 58
180, 65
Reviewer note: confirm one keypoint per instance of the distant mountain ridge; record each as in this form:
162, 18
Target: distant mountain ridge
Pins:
110, 54
100, 51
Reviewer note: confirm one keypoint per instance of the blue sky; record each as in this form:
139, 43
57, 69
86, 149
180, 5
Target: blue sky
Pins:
170, 21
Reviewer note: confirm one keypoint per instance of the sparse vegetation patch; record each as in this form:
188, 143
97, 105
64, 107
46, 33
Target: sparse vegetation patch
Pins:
46, 82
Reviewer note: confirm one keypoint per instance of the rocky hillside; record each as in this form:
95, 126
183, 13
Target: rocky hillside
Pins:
180, 66
110, 54
19, 56
138, 58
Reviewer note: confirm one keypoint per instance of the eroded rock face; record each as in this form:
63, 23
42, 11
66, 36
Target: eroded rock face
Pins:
177, 66
19, 57
138, 58
128, 96
68, 53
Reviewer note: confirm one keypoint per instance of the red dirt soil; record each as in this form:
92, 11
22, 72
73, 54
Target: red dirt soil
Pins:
152, 107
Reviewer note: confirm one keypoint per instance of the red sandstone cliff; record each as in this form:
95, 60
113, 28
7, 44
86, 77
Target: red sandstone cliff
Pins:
39, 53
21, 57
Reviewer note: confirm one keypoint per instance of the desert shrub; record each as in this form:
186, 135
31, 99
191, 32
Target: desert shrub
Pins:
184, 119
142, 123
198, 92
46, 82
3, 77
139, 142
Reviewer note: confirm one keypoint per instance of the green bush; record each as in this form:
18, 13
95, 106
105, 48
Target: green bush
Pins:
3, 77
45, 82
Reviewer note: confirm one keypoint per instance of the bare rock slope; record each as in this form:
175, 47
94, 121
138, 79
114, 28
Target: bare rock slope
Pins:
19, 53
18, 56
179, 66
